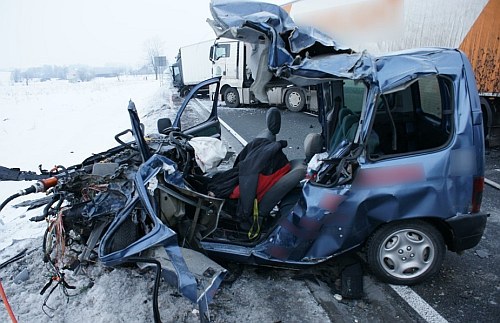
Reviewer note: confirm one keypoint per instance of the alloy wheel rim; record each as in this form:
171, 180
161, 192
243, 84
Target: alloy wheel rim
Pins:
406, 253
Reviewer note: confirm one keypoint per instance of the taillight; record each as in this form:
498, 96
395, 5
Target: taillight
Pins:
477, 194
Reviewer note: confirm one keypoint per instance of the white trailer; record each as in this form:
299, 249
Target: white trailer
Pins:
231, 59
192, 66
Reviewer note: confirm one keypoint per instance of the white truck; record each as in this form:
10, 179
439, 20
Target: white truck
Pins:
229, 58
192, 66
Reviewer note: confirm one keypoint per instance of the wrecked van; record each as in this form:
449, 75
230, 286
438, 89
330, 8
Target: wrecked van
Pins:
396, 172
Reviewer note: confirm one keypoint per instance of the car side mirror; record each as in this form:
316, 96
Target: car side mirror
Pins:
163, 124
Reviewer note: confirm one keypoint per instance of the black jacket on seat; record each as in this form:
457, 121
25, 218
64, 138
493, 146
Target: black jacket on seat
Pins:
260, 156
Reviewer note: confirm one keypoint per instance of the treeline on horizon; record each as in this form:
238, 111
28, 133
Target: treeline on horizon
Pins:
81, 73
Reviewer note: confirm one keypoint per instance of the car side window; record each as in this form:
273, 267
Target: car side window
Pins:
430, 98
344, 101
415, 119
190, 117
354, 95
195, 113
222, 50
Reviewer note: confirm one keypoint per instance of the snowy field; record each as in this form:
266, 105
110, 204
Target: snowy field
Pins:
54, 123
57, 122
61, 123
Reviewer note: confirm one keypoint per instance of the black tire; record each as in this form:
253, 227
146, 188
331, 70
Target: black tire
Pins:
184, 91
487, 117
232, 98
295, 99
48, 243
405, 253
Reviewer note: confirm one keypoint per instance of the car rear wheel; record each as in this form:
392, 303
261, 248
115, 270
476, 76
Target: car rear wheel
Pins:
295, 99
232, 98
405, 253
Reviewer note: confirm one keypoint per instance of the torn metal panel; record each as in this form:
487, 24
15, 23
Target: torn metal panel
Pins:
208, 273
119, 242
162, 200
315, 70
248, 21
112, 251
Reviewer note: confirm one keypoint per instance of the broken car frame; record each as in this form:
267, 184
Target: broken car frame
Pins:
398, 172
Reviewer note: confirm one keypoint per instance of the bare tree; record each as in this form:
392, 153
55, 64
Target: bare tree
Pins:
154, 47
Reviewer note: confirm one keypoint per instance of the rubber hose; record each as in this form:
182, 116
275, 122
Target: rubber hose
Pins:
156, 311
10, 198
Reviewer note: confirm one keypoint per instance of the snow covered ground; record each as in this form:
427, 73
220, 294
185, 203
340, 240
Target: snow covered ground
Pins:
54, 123
57, 122
61, 122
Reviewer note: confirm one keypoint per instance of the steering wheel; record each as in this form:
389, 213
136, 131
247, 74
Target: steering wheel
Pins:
185, 152
168, 130
179, 138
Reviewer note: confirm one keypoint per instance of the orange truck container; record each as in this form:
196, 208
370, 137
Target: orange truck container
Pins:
382, 26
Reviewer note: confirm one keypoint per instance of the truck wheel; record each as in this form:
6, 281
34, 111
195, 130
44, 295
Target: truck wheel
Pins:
295, 99
405, 253
487, 117
232, 98
184, 91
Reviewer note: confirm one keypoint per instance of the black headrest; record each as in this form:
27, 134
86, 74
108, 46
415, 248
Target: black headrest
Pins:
273, 120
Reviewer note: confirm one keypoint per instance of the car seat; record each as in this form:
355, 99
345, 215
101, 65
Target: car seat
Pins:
342, 132
313, 144
344, 112
273, 123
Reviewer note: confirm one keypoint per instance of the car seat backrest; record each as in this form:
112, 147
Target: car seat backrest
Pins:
344, 112
336, 137
273, 124
285, 184
313, 144
343, 130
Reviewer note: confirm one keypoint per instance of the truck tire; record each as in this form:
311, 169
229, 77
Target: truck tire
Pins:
487, 119
232, 98
184, 91
295, 99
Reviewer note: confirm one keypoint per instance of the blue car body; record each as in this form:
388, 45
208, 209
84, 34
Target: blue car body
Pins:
397, 162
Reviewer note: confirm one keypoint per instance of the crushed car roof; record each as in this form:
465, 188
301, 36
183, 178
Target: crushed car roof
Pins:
306, 56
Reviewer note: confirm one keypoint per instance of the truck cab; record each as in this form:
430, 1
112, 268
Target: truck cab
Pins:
176, 70
239, 63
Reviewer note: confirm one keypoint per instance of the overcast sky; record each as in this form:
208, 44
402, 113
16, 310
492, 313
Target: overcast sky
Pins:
97, 32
